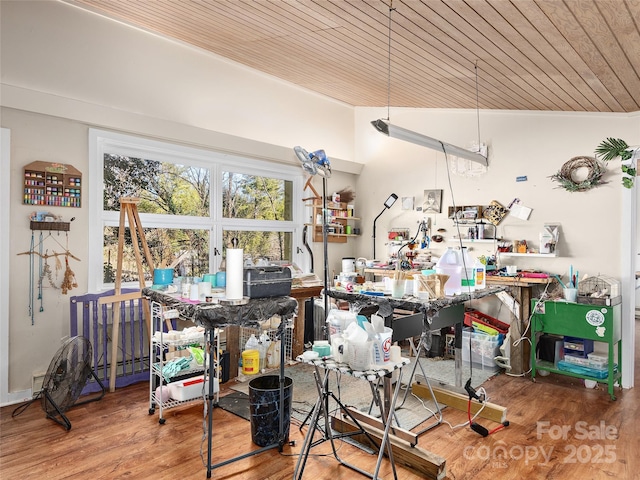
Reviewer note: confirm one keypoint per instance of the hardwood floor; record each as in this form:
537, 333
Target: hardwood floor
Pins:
558, 430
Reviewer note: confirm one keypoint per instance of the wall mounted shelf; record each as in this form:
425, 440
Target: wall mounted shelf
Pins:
476, 240
56, 226
467, 214
52, 184
340, 216
532, 255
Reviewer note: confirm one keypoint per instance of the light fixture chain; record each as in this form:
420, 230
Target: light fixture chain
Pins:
391, 9
477, 105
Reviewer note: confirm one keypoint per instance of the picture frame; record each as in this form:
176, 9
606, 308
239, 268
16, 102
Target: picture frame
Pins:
432, 201
407, 203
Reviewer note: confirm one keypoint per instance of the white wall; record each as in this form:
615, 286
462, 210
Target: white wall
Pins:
636, 252
5, 157
532, 144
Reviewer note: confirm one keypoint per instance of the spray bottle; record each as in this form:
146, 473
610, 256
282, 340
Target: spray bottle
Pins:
468, 280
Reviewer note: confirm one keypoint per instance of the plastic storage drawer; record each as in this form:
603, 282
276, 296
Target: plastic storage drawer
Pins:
484, 348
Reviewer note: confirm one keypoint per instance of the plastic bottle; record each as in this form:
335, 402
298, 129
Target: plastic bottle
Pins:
449, 265
252, 343
468, 280
263, 346
273, 354
480, 229
481, 275
339, 320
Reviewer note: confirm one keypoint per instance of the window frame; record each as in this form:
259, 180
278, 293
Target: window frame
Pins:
102, 141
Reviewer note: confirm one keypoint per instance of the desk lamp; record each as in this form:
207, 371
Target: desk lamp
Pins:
387, 204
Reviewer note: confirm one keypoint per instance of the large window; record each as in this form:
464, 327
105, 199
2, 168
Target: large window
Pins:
191, 204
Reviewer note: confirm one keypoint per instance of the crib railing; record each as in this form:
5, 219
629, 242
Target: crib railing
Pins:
94, 321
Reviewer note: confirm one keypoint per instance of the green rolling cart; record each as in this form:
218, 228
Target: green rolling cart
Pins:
601, 323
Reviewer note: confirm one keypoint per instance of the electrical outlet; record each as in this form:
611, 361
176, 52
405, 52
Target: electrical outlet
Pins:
36, 382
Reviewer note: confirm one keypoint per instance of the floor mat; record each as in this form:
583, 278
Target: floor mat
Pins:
352, 392
236, 403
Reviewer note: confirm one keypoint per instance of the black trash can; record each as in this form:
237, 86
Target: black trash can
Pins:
264, 408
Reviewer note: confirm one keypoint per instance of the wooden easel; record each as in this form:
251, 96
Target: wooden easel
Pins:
128, 208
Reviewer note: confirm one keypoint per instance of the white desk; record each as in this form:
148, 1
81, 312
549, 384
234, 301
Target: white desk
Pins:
323, 369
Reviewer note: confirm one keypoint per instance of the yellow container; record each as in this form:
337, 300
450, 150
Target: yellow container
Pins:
250, 362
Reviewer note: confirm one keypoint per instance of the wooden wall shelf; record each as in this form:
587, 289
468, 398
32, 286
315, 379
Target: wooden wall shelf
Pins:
55, 226
530, 255
52, 185
340, 217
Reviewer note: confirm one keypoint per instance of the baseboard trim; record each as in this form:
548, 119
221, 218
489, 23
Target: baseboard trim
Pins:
17, 397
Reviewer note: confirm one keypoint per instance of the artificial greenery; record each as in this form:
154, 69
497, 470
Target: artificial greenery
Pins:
565, 175
615, 147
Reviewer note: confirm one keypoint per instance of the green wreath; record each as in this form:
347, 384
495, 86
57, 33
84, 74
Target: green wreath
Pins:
595, 171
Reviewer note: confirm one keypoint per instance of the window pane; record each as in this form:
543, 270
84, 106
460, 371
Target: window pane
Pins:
186, 251
256, 198
273, 246
164, 188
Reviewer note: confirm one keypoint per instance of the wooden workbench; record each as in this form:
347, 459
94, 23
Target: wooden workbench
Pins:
301, 294
521, 289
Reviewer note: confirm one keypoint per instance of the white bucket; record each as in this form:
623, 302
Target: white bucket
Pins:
348, 264
382, 347
359, 355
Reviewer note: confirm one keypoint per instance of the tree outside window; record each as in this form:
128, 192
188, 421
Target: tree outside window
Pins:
187, 203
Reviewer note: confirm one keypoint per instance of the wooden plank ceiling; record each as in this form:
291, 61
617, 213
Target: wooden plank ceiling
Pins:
558, 55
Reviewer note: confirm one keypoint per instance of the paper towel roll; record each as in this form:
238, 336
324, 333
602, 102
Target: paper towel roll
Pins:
235, 265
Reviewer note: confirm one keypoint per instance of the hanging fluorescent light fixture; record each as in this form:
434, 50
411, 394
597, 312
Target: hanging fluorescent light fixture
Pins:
410, 136
384, 126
